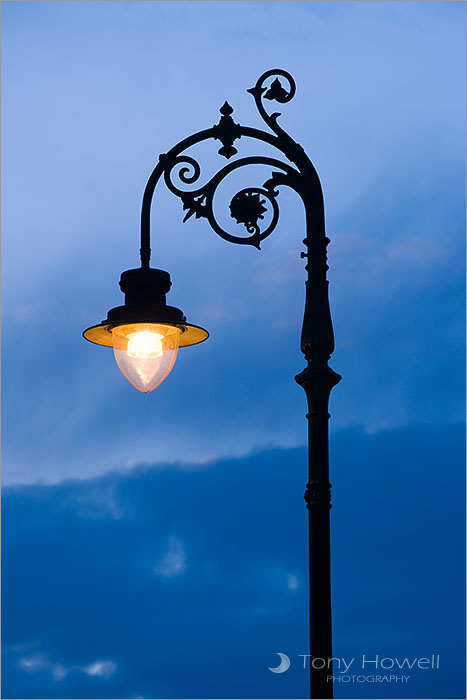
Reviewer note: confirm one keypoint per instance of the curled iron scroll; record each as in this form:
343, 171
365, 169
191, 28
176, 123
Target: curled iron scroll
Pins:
247, 206
276, 92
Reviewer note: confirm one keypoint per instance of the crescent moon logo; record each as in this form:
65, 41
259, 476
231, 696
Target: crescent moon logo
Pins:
284, 664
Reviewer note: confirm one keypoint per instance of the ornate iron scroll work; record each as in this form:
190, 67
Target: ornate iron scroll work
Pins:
244, 206
255, 208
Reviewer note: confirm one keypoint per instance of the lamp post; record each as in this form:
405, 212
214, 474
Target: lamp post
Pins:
146, 333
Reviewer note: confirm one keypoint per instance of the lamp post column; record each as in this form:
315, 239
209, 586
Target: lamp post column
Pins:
317, 379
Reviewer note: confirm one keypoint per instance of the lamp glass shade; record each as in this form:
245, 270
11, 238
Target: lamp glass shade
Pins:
145, 352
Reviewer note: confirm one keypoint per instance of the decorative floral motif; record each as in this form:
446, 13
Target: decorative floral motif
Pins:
277, 92
247, 207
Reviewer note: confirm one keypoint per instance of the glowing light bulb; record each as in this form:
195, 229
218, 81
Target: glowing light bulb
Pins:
144, 344
145, 352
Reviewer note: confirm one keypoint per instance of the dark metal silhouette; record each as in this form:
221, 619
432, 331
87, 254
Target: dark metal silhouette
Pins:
248, 208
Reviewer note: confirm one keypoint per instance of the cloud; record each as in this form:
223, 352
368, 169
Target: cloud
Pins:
33, 663
59, 672
40, 661
100, 668
173, 563
292, 582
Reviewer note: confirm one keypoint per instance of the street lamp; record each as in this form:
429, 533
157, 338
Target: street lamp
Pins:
146, 333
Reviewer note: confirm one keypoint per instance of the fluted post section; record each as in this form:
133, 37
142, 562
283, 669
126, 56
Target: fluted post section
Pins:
317, 379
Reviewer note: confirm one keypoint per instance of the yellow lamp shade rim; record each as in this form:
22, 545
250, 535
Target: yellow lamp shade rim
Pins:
102, 333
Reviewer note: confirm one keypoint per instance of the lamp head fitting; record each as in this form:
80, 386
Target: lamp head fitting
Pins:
145, 290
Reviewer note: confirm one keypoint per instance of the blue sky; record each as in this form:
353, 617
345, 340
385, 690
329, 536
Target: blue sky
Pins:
92, 93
